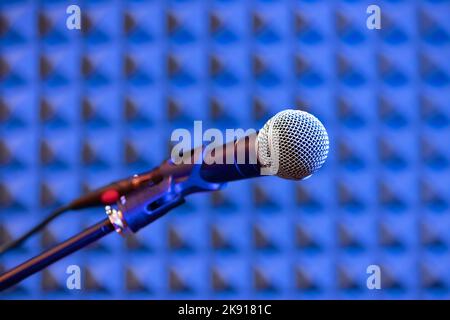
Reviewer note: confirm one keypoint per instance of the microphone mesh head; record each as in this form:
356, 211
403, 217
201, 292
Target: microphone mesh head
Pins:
298, 140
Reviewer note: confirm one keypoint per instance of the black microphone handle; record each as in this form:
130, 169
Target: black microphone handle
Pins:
232, 161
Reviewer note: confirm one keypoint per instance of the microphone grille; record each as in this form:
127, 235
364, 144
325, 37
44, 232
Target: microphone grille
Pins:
298, 140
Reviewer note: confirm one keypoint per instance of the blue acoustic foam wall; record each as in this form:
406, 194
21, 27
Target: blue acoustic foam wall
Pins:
80, 108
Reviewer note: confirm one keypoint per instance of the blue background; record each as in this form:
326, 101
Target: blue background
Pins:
81, 108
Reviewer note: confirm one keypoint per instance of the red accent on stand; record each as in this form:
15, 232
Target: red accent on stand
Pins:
110, 196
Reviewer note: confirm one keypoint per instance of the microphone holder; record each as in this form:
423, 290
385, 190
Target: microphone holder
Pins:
147, 204
132, 212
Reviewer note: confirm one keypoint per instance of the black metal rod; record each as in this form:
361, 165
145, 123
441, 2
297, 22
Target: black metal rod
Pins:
62, 250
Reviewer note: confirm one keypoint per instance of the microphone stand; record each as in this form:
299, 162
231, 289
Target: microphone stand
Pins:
132, 212
58, 252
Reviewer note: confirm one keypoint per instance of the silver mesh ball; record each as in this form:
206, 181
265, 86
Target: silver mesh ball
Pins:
297, 139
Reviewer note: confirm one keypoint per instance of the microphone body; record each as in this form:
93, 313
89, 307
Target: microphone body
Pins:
233, 161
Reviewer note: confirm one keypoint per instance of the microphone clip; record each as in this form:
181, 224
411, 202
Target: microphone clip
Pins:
148, 203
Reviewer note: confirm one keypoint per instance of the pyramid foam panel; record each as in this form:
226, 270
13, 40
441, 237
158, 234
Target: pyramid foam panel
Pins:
80, 108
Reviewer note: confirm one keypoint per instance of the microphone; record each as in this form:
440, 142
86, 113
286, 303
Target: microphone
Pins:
293, 145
